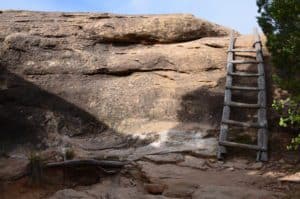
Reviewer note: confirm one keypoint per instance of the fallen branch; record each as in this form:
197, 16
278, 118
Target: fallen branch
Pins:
88, 162
103, 148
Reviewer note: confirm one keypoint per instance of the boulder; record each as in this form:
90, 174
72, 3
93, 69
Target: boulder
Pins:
193, 162
13, 168
180, 190
155, 189
111, 85
104, 190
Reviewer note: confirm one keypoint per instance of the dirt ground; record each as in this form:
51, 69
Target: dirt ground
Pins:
167, 176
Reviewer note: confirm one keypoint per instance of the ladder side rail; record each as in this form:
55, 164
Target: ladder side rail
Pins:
227, 98
262, 134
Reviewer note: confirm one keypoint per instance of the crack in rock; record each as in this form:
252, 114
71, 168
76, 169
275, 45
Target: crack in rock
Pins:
128, 72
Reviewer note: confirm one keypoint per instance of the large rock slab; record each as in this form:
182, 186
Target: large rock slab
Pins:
105, 190
111, 85
80, 74
187, 182
230, 192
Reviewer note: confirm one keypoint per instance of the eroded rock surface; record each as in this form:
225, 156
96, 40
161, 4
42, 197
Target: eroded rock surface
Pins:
103, 83
154, 28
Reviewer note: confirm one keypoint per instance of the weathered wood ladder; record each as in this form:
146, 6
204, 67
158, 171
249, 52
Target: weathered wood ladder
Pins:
261, 124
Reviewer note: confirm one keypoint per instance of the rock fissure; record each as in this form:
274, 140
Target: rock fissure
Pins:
165, 76
214, 45
128, 72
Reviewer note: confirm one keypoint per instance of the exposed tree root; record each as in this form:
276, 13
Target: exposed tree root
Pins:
88, 162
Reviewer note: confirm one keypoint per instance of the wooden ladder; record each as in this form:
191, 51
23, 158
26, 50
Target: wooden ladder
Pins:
261, 124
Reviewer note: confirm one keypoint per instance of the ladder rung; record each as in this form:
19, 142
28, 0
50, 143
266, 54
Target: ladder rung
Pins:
242, 50
246, 88
247, 146
242, 105
243, 124
244, 62
243, 74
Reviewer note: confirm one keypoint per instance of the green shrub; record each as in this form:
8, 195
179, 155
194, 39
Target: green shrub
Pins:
289, 111
36, 164
295, 143
280, 22
69, 154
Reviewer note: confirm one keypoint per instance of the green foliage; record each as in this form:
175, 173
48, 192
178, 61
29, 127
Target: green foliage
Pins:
289, 111
36, 168
69, 154
280, 21
295, 143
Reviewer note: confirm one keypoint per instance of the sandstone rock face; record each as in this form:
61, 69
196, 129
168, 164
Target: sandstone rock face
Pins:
160, 28
136, 84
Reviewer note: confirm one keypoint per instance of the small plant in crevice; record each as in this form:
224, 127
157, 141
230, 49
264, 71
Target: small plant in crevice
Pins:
3, 153
68, 153
36, 164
